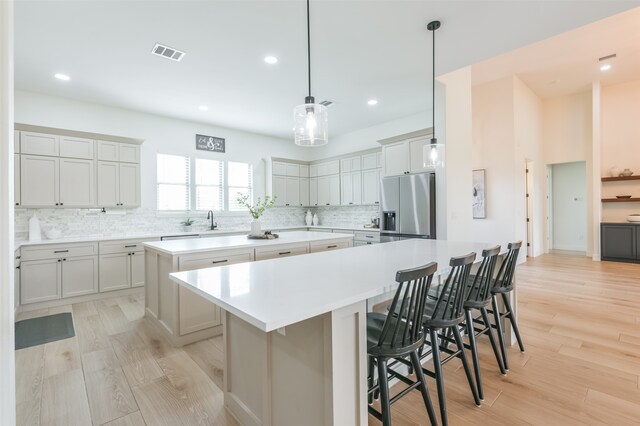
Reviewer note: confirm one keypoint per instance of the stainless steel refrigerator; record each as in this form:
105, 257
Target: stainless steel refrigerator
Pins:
408, 207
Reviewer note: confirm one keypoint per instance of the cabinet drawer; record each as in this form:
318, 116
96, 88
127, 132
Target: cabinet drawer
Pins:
55, 251
39, 144
326, 246
122, 246
283, 251
367, 236
209, 260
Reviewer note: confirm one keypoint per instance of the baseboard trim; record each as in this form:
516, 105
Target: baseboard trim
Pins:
79, 299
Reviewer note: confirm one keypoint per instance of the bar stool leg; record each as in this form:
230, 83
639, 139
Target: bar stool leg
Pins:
415, 362
496, 316
385, 405
370, 379
492, 339
474, 352
465, 364
435, 352
512, 318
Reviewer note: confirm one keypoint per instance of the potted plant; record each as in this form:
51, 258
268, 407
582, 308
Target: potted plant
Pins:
256, 210
186, 225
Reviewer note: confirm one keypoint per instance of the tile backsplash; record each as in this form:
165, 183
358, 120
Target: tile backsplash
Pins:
93, 222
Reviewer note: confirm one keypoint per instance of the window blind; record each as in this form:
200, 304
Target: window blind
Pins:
209, 188
239, 181
173, 182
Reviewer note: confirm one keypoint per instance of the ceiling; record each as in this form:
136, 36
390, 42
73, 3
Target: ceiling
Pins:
568, 63
360, 50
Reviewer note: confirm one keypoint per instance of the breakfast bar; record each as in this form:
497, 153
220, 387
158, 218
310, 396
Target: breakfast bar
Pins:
295, 328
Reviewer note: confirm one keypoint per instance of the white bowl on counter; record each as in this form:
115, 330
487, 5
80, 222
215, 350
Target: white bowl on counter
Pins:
633, 218
53, 234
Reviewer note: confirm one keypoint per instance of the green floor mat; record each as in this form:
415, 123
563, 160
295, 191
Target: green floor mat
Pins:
36, 331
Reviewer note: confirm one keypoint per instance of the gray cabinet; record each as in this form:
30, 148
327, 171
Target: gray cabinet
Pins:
620, 242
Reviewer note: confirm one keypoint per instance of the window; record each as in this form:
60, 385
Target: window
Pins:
209, 184
173, 183
239, 181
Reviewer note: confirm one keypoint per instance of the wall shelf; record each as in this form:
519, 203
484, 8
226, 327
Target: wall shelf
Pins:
620, 200
620, 178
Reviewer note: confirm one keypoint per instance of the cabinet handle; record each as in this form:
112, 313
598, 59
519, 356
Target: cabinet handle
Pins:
220, 261
377, 202
61, 251
368, 236
286, 204
334, 246
284, 252
327, 204
17, 267
57, 204
18, 257
62, 204
17, 204
369, 242
350, 203
59, 260
131, 245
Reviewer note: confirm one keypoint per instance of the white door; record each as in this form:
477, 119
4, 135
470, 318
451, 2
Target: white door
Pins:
40, 280
39, 144
16, 179
39, 181
77, 183
129, 153
280, 190
396, 158
115, 272
129, 185
16, 280
16, 142
79, 276
313, 191
137, 269
369, 161
324, 195
304, 191
334, 190
347, 188
293, 191
370, 186
416, 155
304, 171
356, 187
71, 147
108, 184
108, 151
293, 170
278, 168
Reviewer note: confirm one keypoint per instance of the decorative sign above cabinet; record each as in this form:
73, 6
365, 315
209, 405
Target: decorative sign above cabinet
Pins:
210, 143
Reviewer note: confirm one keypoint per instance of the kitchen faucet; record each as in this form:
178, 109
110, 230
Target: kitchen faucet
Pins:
214, 225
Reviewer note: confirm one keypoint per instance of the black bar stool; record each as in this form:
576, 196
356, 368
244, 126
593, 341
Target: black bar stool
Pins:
446, 313
391, 337
503, 285
479, 298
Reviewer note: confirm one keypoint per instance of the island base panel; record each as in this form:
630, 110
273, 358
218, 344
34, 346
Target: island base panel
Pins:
313, 373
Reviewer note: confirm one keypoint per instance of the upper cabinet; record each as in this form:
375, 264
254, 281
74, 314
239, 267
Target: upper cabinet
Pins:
118, 184
404, 157
287, 184
39, 144
115, 151
71, 147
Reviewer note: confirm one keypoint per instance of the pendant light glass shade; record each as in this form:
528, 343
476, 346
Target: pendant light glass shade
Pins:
310, 124
433, 155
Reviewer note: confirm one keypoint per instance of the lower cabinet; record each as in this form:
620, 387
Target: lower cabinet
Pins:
121, 270
51, 279
324, 246
282, 251
620, 241
79, 276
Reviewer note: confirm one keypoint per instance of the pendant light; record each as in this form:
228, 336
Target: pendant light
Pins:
310, 120
433, 154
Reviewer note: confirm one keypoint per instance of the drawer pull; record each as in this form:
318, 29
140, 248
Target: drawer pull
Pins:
333, 246
131, 245
284, 252
61, 251
220, 261
369, 236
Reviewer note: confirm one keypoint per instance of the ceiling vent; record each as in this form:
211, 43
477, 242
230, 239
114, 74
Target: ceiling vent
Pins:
168, 52
327, 103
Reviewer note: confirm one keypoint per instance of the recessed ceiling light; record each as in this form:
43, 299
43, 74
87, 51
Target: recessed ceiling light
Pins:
63, 77
203, 108
605, 67
372, 102
271, 60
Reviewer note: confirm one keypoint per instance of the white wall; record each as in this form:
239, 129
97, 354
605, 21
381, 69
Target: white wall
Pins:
7, 353
161, 134
569, 211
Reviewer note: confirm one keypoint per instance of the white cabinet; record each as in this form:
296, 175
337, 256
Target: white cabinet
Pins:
79, 276
129, 153
71, 147
316, 247
282, 251
313, 191
369, 161
16, 142
293, 170
329, 190
16, 179
279, 168
313, 170
304, 191
108, 151
279, 190
292, 195
121, 270
40, 280
39, 144
351, 188
350, 164
118, 184
39, 186
16, 279
137, 269
77, 183
304, 171
371, 186
328, 168
404, 157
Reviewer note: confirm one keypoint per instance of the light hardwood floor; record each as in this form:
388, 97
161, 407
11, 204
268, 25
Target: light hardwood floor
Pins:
580, 321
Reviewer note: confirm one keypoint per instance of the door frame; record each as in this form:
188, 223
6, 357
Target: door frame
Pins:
529, 204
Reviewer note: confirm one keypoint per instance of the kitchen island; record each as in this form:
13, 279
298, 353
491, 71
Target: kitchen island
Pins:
184, 317
295, 328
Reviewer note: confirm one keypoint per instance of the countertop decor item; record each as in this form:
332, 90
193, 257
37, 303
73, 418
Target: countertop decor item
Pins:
311, 119
255, 210
186, 224
308, 219
623, 196
626, 172
53, 233
633, 218
316, 221
266, 236
615, 171
34, 229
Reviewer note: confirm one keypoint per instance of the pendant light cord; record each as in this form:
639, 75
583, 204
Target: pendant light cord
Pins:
308, 48
433, 87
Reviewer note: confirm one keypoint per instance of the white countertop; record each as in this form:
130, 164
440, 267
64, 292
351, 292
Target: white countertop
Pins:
177, 247
142, 236
270, 294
